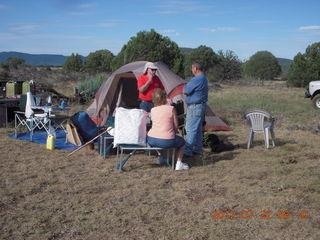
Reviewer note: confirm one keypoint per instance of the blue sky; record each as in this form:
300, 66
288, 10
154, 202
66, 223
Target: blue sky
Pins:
82, 26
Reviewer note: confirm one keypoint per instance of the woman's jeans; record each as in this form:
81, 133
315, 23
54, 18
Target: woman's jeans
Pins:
194, 122
177, 142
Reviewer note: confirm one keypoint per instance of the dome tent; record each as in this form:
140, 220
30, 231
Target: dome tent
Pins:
120, 90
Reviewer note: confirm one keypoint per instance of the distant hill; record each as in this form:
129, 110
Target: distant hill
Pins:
186, 50
35, 59
284, 63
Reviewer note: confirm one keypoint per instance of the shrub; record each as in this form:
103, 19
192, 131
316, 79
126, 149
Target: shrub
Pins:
305, 67
73, 63
90, 86
262, 65
99, 61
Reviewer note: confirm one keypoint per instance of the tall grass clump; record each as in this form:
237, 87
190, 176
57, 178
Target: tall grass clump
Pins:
90, 86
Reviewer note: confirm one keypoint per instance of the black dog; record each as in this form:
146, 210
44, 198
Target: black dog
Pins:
218, 146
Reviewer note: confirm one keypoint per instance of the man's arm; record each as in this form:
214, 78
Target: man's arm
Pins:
144, 86
189, 88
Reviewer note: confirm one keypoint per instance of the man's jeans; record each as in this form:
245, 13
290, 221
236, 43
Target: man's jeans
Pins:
194, 121
146, 106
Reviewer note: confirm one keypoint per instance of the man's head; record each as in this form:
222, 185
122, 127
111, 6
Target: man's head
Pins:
197, 68
159, 97
150, 68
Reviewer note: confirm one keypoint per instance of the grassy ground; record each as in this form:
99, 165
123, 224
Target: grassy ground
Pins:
242, 194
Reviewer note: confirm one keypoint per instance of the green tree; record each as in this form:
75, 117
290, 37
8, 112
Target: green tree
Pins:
99, 61
150, 46
73, 63
262, 65
228, 68
14, 62
203, 54
305, 67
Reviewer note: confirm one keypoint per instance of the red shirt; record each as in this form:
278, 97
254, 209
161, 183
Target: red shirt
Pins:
155, 83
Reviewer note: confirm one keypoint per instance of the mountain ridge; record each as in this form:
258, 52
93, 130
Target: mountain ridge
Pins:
58, 59
36, 59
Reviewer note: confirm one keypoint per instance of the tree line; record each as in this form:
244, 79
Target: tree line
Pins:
219, 66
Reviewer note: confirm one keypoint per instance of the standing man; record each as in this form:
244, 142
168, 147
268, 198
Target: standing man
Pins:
196, 91
147, 83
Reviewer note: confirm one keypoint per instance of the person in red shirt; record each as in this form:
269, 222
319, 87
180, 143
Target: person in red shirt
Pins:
147, 83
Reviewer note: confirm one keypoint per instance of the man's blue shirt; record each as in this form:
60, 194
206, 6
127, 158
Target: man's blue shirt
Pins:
197, 89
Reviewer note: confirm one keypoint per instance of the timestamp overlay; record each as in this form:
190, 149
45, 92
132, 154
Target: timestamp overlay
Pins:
260, 214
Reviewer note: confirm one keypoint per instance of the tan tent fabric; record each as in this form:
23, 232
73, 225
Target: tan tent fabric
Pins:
111, 92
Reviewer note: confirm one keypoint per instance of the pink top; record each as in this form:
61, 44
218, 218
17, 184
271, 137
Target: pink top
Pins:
162, 122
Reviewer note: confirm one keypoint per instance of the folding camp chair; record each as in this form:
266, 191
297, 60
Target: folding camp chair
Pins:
85, 127
179, 106
34, 117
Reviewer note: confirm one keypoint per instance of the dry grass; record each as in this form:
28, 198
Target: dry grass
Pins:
45, 195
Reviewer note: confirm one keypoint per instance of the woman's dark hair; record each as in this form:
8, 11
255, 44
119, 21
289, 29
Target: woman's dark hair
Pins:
159, 97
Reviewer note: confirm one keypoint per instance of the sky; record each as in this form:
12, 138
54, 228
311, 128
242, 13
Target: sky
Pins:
282, 27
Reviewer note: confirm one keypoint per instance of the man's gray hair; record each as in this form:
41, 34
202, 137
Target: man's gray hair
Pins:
198, 65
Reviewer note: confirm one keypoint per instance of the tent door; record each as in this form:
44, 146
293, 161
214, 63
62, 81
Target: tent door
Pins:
127, 92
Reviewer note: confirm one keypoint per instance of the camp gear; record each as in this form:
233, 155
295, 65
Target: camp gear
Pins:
130, 126
50, 142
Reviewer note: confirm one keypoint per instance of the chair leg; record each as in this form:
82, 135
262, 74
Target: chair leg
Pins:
273, 138
250, 138
266, 137
31, 132
173, 157
118, 157
170, 156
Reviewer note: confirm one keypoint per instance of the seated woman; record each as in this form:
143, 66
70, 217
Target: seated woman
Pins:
165, 126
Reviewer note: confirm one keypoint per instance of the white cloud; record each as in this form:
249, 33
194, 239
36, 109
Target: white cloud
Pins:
3, 6
262, 22
109, 23
219, 29
169, 32
88, 5
80, 13
176, 7
306, 28
207, 29
167, 12
24, 27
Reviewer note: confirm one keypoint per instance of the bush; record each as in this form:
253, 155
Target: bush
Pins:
90, 86
99, 61
73, 63
305, 67
205, 55
228, 68
262, 65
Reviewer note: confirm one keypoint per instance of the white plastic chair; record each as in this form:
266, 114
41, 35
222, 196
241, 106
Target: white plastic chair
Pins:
260, 121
